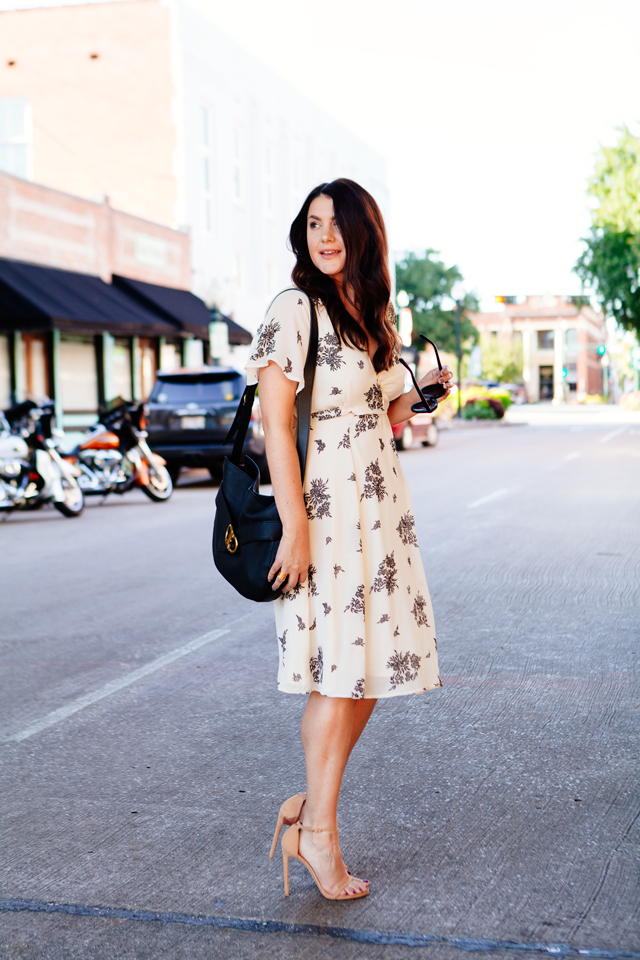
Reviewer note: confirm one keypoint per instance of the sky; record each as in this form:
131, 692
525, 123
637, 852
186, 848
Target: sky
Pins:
488, 114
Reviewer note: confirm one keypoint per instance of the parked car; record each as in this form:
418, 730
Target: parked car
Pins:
189, 413
422, 427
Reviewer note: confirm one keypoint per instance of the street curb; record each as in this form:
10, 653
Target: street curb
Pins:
476, 424
355, 935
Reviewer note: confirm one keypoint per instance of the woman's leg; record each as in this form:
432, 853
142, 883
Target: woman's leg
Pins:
330, 729
361, 713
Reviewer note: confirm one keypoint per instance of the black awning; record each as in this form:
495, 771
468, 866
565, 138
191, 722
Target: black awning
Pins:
43, 298
179, 306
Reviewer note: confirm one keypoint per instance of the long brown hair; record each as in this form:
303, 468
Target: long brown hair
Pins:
366, 271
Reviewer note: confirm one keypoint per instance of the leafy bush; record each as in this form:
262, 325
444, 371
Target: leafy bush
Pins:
502, 398
483, 408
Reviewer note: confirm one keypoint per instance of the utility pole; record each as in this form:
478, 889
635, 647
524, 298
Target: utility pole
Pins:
458, 351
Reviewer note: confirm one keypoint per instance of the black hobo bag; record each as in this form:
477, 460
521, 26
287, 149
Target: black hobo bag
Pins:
247, 529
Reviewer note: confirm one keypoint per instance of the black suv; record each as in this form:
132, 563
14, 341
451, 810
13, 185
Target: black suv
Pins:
189, 415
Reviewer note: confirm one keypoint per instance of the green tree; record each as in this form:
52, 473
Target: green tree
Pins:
501, 362
610, 263
428, 282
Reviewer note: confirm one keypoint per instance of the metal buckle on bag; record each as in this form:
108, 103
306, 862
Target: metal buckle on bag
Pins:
230, 540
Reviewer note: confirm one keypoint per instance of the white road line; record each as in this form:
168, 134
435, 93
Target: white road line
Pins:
488, 498
125, 681
572, 456
614, 433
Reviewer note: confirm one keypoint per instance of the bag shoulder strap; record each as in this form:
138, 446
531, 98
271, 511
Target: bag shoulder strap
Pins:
306, 394
242, 418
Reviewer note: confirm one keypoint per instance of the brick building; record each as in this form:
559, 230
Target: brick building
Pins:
92, 301
559, 340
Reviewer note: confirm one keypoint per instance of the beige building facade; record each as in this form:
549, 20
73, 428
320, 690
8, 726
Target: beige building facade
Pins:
559, 339
92, 93
147, 103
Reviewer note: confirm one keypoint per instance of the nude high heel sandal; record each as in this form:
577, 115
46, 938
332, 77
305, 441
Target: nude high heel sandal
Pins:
291, 848
289, 812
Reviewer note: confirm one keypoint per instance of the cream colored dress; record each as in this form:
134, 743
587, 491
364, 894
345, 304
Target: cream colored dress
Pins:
362, 625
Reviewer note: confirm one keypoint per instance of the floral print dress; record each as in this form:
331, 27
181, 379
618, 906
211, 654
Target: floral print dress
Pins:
362, 624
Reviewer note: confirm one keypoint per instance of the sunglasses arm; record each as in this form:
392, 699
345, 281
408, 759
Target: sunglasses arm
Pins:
426, 404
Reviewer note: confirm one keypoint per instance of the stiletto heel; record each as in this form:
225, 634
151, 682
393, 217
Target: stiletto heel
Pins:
291, 848
289, 813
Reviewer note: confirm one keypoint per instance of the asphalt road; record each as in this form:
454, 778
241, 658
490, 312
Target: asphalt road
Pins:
146, 749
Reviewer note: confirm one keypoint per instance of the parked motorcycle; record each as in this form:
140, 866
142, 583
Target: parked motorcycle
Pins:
32, 472
115, 456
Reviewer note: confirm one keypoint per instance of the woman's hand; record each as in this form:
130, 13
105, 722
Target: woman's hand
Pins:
444, 376
292, 559
277, 403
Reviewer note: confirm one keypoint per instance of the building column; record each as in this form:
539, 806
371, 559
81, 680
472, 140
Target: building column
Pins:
558, 363
108, 378
18, 372
527, 373
136, 369
56, 387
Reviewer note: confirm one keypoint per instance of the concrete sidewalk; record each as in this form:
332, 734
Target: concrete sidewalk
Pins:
502, 808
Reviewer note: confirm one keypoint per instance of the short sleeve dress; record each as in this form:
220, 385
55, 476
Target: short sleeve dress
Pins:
362, 625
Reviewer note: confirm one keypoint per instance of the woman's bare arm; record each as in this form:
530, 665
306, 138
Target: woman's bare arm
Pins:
277, 405
400, 408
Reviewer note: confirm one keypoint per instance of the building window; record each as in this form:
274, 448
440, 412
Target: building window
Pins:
16, 137
36, 367
122, 368
236, 161
5, 372
545, 339
206, 161
78, 378
268, 179
571, 340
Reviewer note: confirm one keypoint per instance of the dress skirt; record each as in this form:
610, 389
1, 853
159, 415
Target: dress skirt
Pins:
362, 625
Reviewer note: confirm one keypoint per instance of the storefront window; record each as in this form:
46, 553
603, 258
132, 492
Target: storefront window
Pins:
5, 373
78, 378
35, 361
170, 356
122, 369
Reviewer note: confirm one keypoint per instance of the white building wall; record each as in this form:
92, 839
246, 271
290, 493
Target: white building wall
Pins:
287, 146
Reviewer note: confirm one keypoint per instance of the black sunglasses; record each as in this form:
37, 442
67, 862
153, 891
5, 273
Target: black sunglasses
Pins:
430, 396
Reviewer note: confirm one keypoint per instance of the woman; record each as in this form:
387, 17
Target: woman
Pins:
354, 622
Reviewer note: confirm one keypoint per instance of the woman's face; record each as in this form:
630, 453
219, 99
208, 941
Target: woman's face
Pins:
326, 246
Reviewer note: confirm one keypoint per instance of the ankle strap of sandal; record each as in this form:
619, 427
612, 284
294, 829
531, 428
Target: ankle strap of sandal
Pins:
317, 829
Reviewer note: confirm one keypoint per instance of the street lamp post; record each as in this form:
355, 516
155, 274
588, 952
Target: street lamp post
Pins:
458, 352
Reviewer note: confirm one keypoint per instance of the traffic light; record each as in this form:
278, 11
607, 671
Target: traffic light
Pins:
602, 349
503, 299
565, 372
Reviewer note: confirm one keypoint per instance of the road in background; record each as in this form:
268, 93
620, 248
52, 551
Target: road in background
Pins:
504, 806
